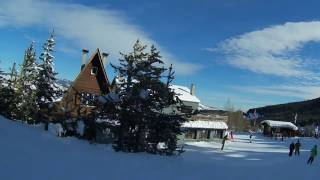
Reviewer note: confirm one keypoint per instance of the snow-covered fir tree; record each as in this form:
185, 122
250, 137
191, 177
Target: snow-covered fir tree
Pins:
25, 99
1, 79
7, 101
7, 94
143, 96
46, 86
156, 96
2, 97
130, 121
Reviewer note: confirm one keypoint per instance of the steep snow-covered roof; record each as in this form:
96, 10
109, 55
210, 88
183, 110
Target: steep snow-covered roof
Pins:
205, 124
205, 107
280, 124
184, 93
181, 91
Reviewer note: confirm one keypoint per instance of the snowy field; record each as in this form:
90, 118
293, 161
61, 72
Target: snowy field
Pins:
29, 153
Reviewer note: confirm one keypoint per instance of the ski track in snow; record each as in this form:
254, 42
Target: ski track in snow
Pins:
29, 153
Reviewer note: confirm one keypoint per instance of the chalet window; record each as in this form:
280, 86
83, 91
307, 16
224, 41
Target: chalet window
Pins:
190, 134
94, 70
214, 133
186, 109
88, 99
203, 134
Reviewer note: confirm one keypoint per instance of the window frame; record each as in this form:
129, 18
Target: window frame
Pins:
94, 70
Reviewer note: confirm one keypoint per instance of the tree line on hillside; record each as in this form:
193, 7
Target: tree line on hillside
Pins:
137, 114
308, 112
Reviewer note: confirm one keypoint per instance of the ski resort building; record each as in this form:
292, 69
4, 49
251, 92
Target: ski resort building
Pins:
279, 128
189, 101
204, 130
205, 127
91, 83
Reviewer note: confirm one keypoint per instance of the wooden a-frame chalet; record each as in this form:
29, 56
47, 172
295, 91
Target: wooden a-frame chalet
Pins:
92, 81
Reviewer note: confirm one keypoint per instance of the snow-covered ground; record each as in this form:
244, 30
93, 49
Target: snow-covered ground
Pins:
30, 153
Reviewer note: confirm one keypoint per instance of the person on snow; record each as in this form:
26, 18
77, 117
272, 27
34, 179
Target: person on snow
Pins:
224, 141
231, 135
313, 154
297, 148
250, 137
291, 148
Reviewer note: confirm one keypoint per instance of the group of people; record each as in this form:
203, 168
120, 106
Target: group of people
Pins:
295, 147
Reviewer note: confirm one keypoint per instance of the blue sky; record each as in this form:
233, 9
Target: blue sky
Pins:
254, 53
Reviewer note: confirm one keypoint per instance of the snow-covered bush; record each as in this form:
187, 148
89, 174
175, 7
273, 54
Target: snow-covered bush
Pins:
56, 129
80, 128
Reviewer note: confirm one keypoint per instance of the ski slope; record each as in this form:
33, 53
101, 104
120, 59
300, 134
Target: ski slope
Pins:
29, 153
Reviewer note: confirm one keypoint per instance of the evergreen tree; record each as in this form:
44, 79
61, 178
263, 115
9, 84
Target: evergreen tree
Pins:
1, 79
47, 89
162, 127
143, 97
129, 113
7, 94
25, 98
2, 97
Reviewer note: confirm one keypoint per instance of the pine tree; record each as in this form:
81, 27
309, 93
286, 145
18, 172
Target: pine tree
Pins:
25, 98
1, 79
129, 113
7, 94
2, 97
143, 124
7, 101
47, 89
162, 127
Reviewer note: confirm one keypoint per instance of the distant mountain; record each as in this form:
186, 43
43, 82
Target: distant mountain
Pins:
308, 112
65, 83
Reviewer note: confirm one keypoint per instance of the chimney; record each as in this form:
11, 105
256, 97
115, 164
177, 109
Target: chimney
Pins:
104, 58
84, 58
193, 90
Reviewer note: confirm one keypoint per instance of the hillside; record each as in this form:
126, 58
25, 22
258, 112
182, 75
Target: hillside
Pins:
308, 111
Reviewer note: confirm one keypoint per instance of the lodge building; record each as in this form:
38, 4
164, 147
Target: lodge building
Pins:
91, 83
279, 128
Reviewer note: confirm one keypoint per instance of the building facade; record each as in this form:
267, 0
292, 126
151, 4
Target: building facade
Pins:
91, 83
279, 128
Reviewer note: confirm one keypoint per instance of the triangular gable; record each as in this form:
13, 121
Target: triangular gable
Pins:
82, 83
101, 76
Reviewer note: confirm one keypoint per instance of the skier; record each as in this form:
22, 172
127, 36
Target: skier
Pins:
231, 135
224, 141
313, 154
297, 148
250, 137
291, 148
